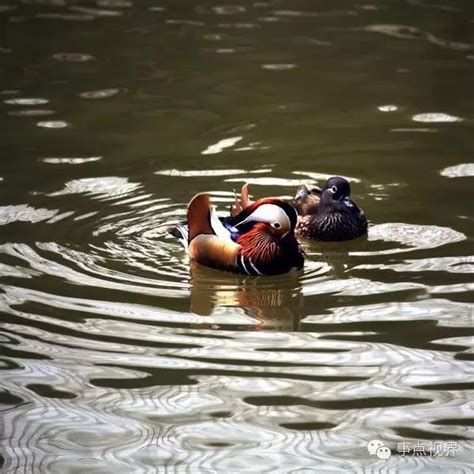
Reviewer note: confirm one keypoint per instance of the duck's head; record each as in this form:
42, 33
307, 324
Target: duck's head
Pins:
270, 216
339, 187
336, 191
265, 231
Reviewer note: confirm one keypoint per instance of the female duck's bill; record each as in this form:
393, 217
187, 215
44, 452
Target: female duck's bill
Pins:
258, 240
329, 213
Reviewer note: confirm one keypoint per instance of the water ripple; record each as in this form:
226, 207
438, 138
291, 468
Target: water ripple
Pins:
100, 93
465, 169
412, 32
73, 57
103, 187
70, 160
52, 124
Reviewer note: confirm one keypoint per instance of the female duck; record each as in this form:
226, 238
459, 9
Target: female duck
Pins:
329, 213
258, 240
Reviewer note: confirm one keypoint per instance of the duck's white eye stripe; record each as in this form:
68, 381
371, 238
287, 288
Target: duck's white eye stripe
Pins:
334, 189
269, 213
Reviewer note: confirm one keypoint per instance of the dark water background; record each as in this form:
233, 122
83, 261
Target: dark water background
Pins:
116, 356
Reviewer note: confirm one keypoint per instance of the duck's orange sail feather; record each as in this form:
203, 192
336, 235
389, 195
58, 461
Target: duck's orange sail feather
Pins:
204, 246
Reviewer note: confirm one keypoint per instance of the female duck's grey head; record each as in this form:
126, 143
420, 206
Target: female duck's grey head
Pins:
339, 187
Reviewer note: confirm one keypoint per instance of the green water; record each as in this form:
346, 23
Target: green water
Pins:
118, 354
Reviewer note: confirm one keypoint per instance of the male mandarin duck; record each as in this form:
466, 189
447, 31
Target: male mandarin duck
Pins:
329, 213
257, 239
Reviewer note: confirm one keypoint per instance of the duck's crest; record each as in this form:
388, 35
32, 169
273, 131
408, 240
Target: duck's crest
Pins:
203, 220
199, 216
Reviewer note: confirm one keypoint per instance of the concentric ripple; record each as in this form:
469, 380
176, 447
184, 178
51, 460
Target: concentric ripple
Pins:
134, 320
132, 340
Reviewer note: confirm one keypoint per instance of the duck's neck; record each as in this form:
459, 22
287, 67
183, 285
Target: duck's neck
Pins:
328, 205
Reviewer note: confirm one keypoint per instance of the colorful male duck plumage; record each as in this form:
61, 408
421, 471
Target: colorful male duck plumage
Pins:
257, 239
329, 213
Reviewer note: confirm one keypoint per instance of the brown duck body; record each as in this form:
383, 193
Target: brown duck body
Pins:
329, 214
332, 226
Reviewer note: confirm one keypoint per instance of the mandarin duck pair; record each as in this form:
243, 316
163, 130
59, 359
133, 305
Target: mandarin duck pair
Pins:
259, 238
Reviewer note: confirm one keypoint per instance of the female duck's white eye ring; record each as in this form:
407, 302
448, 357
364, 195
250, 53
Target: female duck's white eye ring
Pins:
333, 189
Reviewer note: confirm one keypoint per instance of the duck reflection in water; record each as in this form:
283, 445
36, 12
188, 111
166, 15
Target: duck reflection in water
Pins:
276, 302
